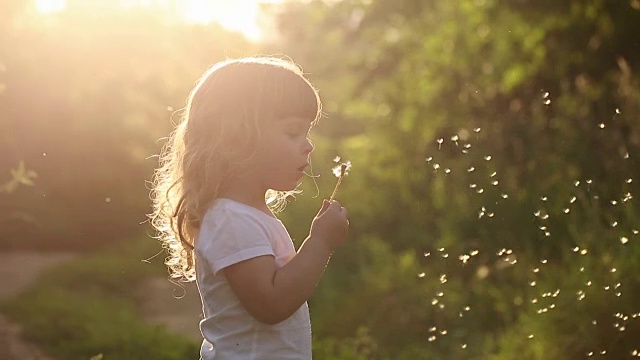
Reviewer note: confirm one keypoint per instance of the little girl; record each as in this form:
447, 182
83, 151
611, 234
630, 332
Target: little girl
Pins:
243, 138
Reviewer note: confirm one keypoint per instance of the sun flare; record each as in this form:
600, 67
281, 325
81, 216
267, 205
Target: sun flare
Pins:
50, 6
238, 15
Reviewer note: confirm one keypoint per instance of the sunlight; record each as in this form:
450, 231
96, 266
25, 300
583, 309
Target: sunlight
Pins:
239, 15
50, 6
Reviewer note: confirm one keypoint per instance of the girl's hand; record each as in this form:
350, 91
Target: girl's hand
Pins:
331, 225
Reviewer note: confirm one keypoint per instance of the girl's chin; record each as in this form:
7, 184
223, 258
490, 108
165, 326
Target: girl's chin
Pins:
290, 187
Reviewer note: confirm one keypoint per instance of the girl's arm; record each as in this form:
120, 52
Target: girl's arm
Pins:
270, 294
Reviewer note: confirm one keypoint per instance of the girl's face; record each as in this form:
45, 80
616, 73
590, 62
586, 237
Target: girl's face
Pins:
283, 153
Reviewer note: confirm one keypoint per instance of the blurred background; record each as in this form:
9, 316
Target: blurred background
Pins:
495, 149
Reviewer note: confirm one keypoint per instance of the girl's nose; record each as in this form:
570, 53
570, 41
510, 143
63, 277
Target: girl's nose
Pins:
308, 146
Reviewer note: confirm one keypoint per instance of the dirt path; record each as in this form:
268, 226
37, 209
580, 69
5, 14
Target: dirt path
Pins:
178, 309
18, 270
162, 303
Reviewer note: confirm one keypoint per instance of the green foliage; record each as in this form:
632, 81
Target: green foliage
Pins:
360, 347
507, 130
71, 326
87, 307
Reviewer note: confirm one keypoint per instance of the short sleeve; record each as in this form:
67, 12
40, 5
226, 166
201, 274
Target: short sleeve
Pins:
228, 237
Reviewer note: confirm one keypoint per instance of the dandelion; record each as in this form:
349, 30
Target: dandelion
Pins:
340, 171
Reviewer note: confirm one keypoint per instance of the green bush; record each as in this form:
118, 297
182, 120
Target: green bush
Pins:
86, 307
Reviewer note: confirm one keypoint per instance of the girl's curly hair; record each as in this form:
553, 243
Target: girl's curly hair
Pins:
219, 126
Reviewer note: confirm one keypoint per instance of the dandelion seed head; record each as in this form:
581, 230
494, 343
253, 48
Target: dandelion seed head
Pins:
342, 169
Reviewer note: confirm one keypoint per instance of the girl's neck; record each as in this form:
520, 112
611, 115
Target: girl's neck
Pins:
248, 195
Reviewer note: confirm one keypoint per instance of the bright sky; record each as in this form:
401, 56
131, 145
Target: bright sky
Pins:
237, 15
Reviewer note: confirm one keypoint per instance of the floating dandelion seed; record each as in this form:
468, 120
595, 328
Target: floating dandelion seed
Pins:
624, 240
340, 171
488, 157
440, 141
470, 169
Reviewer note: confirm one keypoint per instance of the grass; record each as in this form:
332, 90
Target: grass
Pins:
87, 307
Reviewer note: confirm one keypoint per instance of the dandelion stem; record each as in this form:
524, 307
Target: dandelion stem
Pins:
335, 190
343, 169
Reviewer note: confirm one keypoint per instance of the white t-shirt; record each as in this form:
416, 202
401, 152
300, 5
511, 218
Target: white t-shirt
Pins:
232, 232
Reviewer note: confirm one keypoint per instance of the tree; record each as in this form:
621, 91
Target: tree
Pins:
501, 129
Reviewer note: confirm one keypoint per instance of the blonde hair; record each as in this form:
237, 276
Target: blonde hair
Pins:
215, 136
